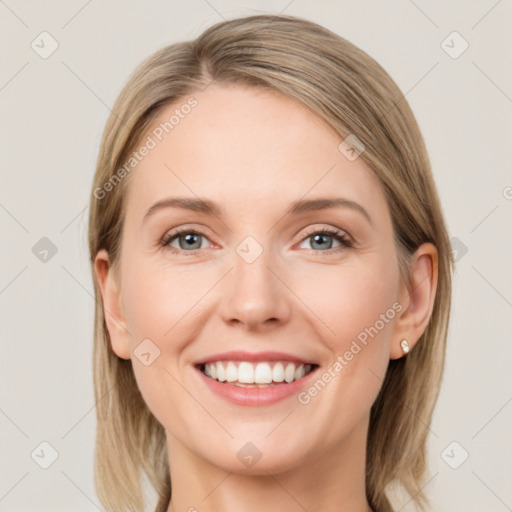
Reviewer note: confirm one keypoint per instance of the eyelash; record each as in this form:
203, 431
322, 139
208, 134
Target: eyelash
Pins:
345, 241
336, 234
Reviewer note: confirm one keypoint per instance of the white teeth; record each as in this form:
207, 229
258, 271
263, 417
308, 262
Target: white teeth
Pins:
299, 372
261, 374
278, 372
231, 372
289, 373
221, 373
245, 373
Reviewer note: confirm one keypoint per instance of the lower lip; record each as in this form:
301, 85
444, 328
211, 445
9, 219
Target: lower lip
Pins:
255, 396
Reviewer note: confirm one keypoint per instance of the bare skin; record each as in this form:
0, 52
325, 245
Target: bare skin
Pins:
254, 153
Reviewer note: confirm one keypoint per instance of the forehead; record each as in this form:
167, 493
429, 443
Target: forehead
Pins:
246, 148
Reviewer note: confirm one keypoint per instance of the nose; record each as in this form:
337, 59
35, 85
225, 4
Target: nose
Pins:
254, 294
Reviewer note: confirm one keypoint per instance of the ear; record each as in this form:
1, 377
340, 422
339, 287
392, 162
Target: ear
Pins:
417, 296
112, 306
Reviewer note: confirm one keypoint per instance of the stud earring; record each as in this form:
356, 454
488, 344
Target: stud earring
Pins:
405, 346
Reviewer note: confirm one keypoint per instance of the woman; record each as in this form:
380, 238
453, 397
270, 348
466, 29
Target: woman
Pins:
273, 278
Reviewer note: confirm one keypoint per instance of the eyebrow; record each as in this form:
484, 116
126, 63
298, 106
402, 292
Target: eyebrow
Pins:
302, 205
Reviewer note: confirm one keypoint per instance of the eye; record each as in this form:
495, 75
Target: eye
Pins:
321, 239
188, 240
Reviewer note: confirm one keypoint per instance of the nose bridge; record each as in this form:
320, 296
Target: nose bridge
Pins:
254, 293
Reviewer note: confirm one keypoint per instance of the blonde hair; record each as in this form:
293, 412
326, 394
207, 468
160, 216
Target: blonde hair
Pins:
354, 95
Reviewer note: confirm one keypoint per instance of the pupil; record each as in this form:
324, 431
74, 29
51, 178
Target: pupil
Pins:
317, 237
190, 239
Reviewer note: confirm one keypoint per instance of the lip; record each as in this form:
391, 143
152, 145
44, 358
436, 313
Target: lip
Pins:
240, 355
255, 396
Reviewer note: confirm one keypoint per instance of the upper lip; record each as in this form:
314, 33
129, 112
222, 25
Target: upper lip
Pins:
240, 355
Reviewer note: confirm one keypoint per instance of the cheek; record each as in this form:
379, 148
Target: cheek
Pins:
158, 298
161, 305
359, 306
157, 310
352, 302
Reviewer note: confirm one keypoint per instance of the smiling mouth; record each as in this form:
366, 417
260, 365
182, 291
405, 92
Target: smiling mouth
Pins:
252, 375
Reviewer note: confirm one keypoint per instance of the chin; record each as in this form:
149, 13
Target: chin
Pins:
253, 458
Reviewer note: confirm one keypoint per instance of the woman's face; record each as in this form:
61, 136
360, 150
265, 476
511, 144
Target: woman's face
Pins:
255, 279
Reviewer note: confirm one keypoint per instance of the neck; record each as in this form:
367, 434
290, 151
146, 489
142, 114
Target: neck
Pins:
332, 481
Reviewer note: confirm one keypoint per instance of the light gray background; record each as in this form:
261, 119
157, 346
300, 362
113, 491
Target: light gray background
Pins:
52, 114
